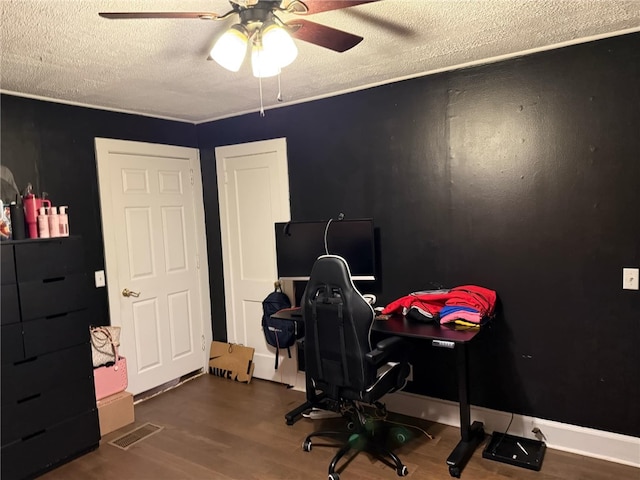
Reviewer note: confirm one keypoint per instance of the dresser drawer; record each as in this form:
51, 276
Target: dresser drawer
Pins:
11, 343
45, 335
9, 304
44, 259
48, 448
53, 296
39, 412
38, 375
7, 268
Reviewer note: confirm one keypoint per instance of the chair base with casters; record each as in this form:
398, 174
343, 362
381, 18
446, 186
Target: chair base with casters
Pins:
357, 438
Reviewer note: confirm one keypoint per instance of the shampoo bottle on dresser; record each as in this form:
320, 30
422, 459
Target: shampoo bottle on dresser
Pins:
54, 224
63, 219
43, 224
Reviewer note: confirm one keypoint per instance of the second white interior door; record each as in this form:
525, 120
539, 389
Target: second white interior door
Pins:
253, 189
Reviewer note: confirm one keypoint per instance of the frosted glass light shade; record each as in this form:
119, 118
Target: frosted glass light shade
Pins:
278, 44
263, 64
230, 49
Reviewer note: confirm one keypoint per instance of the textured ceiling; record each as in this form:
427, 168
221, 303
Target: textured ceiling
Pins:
63, 51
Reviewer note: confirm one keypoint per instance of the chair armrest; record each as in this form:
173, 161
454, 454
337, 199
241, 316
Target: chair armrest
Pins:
384, 349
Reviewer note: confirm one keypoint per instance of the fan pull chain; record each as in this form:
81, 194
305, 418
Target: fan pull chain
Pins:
261, 104
279, 97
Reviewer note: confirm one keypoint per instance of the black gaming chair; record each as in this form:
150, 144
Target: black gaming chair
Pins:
341, 364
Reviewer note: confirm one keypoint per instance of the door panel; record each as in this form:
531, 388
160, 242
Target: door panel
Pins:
146, 329
180, 322
139, 243
175, 248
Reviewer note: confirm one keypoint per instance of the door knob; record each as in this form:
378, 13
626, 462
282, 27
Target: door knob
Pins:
128, 293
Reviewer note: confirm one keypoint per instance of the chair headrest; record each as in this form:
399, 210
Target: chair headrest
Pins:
331, 269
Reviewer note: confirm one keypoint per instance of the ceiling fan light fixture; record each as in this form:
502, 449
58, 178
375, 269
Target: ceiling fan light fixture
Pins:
278, 44
231, 48
263, 63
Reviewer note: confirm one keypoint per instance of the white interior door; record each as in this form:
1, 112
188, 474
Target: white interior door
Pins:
253, 189
153, 225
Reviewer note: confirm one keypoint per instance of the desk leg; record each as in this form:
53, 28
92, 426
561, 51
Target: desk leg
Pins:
472, 434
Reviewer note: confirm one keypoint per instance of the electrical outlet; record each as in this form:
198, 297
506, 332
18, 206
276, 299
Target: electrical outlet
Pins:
99, 278
630, 278
538, 433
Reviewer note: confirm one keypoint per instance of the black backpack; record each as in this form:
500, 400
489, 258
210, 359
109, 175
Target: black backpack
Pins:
278, 333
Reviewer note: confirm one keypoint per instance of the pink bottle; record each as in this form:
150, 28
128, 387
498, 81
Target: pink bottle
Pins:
32, 206
63, 218
54, 222
43, 224
31, 209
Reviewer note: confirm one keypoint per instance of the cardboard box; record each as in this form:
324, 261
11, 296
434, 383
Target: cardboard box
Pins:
115, 411
231, 361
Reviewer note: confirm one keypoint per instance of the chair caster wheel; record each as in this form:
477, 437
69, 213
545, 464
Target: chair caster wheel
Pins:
403, 472
454, 472
306, 445
334, 476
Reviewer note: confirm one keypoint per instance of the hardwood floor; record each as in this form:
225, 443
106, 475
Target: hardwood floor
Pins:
218, 429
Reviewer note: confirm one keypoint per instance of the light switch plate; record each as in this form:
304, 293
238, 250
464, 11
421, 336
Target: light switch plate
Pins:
630, 278
99, 278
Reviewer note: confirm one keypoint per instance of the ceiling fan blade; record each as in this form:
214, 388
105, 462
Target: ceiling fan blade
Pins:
327, 37
317, 6
126, 15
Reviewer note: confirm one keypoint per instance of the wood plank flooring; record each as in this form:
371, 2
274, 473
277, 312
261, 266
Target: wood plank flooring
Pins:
218, 429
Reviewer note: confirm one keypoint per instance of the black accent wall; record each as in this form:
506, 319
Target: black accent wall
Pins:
522, 176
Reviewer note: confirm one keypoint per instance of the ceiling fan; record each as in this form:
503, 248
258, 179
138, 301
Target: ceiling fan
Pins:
253, 14
264, 34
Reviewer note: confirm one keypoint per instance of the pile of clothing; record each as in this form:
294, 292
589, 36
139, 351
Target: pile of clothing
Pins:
468, 305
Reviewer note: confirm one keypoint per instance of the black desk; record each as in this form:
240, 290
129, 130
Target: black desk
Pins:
443, 337
472, 433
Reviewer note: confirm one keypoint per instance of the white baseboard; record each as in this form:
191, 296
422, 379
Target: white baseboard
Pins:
589, 442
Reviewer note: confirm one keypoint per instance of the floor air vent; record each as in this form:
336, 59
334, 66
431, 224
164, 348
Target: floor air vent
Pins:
135, 436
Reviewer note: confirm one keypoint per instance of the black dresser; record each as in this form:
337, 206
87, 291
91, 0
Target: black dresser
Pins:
49, 413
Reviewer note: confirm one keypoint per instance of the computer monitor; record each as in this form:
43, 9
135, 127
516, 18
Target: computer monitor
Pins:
299, 244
